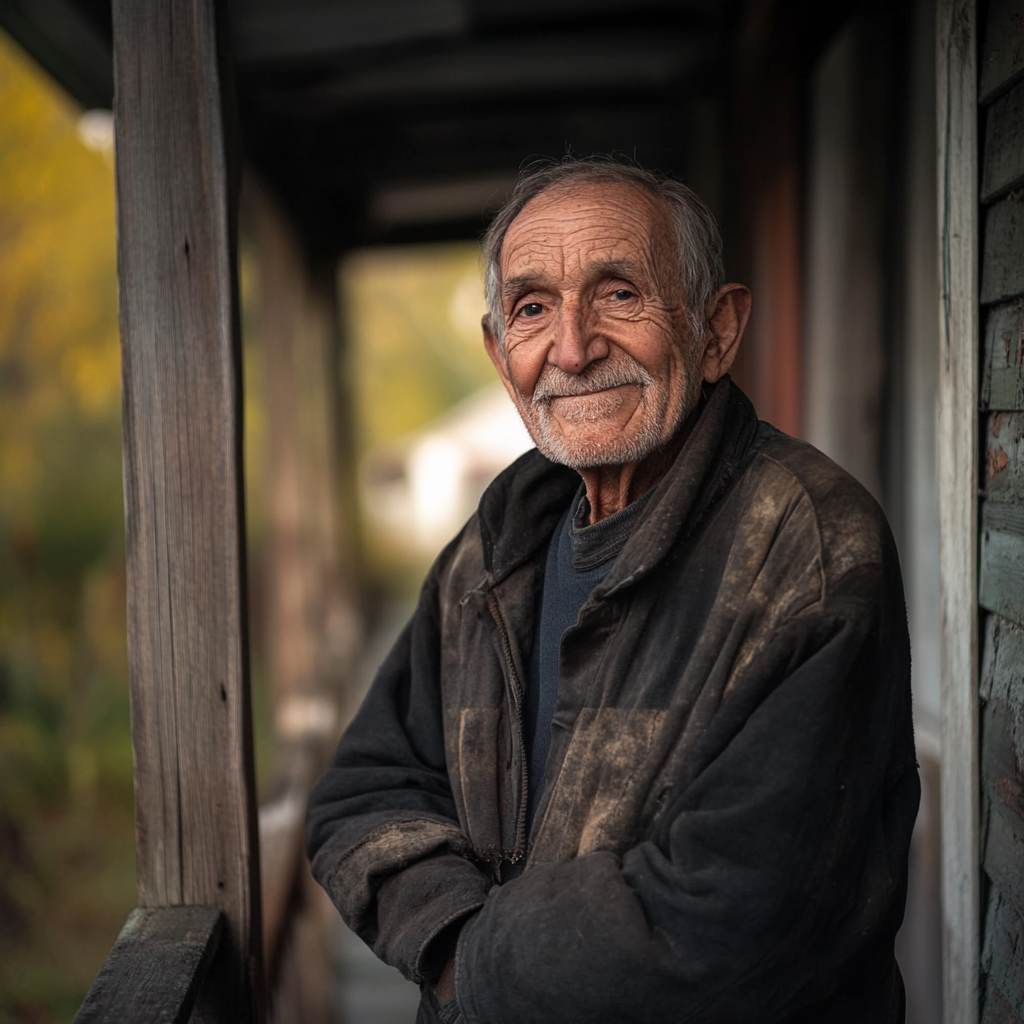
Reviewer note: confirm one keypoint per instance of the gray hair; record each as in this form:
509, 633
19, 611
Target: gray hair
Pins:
699, 243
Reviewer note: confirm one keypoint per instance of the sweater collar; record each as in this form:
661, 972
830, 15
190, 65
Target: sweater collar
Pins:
520, 510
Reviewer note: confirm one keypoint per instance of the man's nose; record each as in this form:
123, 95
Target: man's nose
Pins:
577, 343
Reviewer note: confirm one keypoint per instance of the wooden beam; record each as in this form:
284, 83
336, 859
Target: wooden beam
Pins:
68, 43
957, 443
187, 643
156, 968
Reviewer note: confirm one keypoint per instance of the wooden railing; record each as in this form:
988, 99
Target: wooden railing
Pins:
156, 968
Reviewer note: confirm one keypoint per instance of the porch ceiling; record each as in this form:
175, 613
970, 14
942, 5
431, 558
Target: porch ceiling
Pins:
407, 119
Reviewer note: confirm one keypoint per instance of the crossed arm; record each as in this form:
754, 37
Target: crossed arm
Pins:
781, 865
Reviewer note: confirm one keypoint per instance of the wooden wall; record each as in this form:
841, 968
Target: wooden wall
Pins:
1001, 549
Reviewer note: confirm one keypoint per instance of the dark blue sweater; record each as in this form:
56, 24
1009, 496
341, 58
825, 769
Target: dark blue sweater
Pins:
580, 557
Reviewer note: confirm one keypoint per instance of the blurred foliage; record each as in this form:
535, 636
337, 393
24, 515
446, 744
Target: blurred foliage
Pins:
412, 319
67, 874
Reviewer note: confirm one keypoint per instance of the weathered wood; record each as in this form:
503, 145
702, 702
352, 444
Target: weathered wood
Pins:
1003, 373
308, 626
1004, 458
998, 515
304, 604
1001, 762
1003, 164
1001, 583
1004, 854
1003, 956
997, 1009
957, 445
195, 808
156, 968
1002, 666
1002, 265
1002, 55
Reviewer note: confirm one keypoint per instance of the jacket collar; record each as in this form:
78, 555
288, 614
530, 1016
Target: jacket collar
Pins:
520, 510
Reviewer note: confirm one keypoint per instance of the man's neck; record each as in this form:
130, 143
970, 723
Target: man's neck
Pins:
611, 488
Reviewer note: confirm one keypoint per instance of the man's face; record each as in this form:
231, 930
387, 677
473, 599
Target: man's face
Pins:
596, 354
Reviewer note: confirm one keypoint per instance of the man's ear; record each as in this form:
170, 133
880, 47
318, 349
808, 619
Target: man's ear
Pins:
726, 325
495, 351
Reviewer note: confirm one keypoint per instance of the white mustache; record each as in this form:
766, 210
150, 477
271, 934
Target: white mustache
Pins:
556, 383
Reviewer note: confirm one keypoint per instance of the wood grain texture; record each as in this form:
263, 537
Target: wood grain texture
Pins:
1002, 53
1002, 959
1003, 162
1003, 371
156, 968
1002, 265
957, 445
1001, 582
1002, 665
195, 810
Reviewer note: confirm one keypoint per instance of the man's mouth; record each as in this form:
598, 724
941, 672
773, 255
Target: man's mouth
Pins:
547, 397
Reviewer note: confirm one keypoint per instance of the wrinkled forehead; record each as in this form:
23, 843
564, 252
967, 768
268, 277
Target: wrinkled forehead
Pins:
565, 230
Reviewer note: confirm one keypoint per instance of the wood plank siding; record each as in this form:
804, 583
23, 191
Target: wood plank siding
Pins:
1001, 547
187, 640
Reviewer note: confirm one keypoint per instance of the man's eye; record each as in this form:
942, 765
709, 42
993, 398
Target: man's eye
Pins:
622, 294
531, 309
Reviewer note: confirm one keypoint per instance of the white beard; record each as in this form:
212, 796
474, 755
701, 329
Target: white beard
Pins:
609, 447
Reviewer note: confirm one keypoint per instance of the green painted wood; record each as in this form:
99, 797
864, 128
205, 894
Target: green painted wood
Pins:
1002, 755
1002, 52
998, 516
1002, 665
1001, 586
1003, 162
1002, 264
1004, 858
156, 968
1004, 457
1002, 960
997, 1010
1002, 377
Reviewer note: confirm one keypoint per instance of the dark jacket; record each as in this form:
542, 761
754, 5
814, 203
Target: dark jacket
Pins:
731, 785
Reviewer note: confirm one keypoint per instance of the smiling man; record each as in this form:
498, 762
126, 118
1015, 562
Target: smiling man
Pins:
644, 751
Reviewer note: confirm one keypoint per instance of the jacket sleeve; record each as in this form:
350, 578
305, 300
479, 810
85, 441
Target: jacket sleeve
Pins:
382, 831
771, 873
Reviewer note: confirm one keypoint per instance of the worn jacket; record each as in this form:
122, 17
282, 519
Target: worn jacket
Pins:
731, 785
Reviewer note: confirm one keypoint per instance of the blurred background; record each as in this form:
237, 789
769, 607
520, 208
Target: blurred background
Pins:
375, 146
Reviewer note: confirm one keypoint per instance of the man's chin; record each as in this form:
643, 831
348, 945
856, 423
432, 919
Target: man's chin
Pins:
582, 451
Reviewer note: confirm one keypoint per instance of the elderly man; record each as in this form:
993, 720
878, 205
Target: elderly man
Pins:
644, 751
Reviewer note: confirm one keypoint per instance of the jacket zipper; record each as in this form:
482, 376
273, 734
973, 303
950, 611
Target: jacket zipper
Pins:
517, 700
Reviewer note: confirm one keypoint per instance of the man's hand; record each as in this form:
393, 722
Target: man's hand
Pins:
446, 983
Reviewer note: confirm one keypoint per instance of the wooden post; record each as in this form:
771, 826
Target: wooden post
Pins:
299, 332
309, 624
187, 646
957, 444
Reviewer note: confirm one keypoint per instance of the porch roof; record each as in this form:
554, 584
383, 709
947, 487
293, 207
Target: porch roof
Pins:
406, 119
